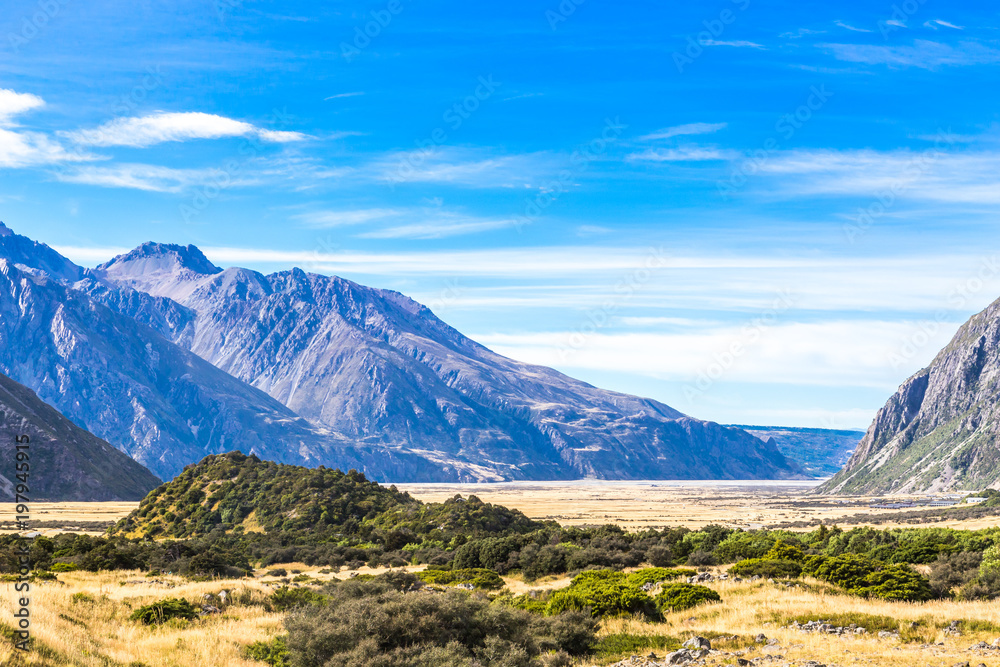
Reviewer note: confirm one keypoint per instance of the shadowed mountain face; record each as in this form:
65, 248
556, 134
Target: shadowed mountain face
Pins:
310, 369
941, 430
65, 462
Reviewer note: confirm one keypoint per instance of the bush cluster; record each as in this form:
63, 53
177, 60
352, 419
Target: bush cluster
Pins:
382, 622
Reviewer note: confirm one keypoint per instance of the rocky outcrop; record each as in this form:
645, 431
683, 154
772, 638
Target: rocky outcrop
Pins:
941, 429
65, 463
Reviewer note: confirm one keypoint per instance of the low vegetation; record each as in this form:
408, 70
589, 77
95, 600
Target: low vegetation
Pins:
599, 592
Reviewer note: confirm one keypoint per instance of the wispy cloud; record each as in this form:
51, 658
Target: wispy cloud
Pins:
340, 95
924, 54
143, 131
327, 219
847, 26
934, 23
147, 177
735, 42
683, 154
967, 177
442, 225
464, 168
679, 130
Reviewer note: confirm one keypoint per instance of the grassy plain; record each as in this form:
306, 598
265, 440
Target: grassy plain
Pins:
632, 505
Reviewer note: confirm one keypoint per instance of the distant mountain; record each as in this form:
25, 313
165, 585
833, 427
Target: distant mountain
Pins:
171, 358
65, 463
821, 452
941, 430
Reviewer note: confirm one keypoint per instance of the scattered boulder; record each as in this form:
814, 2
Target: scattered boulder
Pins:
697, 643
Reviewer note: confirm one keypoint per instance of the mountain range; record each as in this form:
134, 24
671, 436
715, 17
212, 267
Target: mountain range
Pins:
941, 430
171, 358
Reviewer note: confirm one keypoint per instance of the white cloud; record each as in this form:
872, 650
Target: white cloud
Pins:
13, 103
340, 95
143, 131
460, 167
688, 128
967, 177
924, 54
31, 149
683, 154
326, 219
441, 225
735, 42
836, 353
19, 149
850, 27
151, 178
934, 23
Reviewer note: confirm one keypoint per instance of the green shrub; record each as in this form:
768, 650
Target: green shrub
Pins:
767, 568
784, 551
64, 567
371, 623
678, 597
896, 582
846, 570
741, 546
604, 593
79, 598
654, 575
286, 598
164, 610
274, 652
479, 577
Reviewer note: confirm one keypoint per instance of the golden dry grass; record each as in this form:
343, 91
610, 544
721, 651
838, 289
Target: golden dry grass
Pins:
632, 505
752, 608
99, 634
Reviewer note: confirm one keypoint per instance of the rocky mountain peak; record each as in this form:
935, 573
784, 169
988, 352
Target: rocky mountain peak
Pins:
36, 257
160, 269
940, 431
157, 257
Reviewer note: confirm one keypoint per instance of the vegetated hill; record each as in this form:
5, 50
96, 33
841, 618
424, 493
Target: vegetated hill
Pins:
941, 430
821, 452
317, 370
65, 463
241, 494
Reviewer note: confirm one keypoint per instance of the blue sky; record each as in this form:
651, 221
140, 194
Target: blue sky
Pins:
757, 212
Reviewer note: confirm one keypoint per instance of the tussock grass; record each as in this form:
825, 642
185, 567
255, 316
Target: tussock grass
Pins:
96, 632
83, 622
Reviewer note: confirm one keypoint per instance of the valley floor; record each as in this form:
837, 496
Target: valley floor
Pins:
82, 621
632, 505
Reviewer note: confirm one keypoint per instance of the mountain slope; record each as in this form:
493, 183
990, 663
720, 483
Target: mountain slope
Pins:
941, 430
159, 403
66, 462
380, 368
